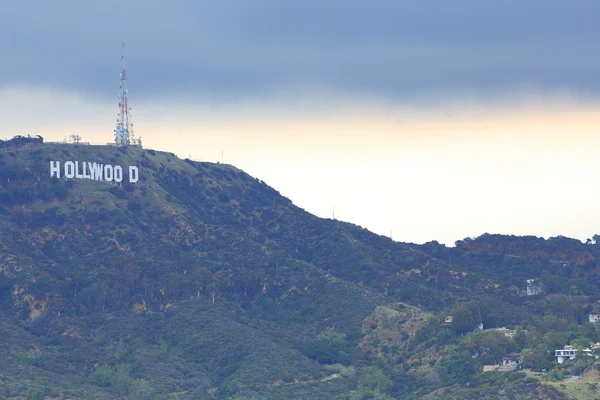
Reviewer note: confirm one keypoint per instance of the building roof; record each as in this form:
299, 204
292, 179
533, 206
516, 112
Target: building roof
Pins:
513, 355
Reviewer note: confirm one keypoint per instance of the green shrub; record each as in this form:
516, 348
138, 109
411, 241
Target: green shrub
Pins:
35, 394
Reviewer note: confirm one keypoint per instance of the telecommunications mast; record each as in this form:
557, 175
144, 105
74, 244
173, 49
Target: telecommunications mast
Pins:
124, 129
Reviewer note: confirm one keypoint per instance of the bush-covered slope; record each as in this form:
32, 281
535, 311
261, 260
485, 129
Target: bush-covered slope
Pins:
199, 281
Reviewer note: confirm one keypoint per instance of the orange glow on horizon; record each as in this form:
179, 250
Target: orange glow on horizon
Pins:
418, 172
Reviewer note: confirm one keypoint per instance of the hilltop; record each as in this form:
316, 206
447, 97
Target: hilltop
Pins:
199, 281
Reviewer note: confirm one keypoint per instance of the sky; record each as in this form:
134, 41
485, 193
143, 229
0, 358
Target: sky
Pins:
421, 120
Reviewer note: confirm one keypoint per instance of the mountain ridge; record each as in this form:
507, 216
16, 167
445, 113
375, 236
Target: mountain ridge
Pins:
107, 285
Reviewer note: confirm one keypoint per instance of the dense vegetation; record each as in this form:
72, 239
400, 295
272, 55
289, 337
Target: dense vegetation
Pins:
201, 282
19, 141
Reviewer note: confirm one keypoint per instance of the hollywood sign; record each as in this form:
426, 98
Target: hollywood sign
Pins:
93, 171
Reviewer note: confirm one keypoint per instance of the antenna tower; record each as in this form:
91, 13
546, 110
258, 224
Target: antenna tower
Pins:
124, 129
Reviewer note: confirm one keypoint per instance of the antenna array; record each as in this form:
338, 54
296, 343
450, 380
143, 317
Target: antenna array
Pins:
124, 130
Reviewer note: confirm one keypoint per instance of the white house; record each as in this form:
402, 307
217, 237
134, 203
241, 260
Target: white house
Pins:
511, 361
593, 318
534, 287
569, 352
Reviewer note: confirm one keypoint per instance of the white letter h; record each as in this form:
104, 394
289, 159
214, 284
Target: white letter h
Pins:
55, 169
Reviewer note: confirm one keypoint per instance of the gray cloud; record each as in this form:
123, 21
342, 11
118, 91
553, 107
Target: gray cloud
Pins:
392, 49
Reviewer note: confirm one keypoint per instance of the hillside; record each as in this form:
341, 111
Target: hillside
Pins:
201, 282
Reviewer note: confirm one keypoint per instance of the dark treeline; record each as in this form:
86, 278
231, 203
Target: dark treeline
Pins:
19, 141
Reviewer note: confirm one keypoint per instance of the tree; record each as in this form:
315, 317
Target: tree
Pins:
579, 365
374, 378
551, 283
563, 306
556, 375
459, 368
494, 344
364, 393
329, 347
122, 383
465, 317
141, 389
35, 394
555, 339
519, 339
538, 358
374, 384
532, 358
582, 343
102, 376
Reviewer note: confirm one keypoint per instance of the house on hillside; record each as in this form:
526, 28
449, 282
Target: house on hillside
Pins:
505, 331
567, 353
510, 361
534, 287
593, 318
570, 352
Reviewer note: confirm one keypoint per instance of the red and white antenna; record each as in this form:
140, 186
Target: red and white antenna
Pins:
124, 129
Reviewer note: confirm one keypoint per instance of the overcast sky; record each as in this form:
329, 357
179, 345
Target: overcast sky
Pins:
435, 119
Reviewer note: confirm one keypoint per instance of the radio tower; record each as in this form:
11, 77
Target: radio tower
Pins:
124, 129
